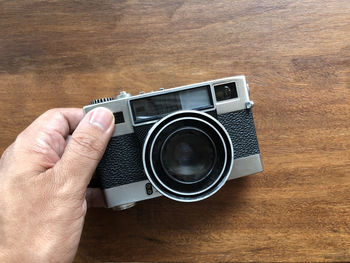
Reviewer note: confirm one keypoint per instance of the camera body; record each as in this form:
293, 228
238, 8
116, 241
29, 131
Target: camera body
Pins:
183, 142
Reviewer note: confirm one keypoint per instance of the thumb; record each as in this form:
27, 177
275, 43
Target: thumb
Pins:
86, 147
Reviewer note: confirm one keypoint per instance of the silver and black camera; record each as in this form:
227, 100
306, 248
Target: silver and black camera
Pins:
183, 143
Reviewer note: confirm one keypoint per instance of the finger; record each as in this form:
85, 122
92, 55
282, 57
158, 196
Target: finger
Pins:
86, 147
94, 197
42, 143
61, 120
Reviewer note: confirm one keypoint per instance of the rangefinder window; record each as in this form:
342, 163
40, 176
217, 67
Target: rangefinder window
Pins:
156, 107
226, 91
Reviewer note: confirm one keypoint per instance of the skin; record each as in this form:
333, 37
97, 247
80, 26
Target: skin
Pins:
44, 178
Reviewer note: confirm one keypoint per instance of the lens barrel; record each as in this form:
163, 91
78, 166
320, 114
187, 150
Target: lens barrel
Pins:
188, 156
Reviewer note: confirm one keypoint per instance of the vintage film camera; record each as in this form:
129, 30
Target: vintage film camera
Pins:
183, 143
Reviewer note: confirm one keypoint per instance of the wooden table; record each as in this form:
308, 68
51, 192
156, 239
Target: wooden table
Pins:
296, 57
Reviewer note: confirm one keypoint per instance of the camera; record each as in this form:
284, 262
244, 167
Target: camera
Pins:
183, 143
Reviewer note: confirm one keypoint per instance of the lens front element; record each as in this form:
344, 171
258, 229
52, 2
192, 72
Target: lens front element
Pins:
188, 155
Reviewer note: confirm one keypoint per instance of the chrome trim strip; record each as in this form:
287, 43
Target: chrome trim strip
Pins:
245, 166
135, 192
128, 193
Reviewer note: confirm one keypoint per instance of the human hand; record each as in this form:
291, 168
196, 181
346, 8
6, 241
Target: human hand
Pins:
43, 181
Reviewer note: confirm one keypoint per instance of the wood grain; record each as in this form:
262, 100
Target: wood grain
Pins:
296, 57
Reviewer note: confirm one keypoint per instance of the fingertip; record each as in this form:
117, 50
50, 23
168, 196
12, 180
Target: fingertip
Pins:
101, 118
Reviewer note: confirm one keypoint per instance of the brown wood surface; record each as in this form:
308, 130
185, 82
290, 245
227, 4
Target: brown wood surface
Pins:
296, 57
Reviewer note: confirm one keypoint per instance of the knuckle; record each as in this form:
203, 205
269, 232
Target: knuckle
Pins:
40, 143
52, 112
22, 136
40, 126
21, 140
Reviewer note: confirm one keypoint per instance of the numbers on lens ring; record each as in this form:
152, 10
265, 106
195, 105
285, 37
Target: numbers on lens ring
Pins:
149, 189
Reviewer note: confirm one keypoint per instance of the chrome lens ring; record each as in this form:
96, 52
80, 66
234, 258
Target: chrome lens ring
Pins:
156, 175
204, 188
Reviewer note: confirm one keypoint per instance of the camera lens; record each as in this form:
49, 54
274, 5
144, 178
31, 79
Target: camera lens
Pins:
188, 155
